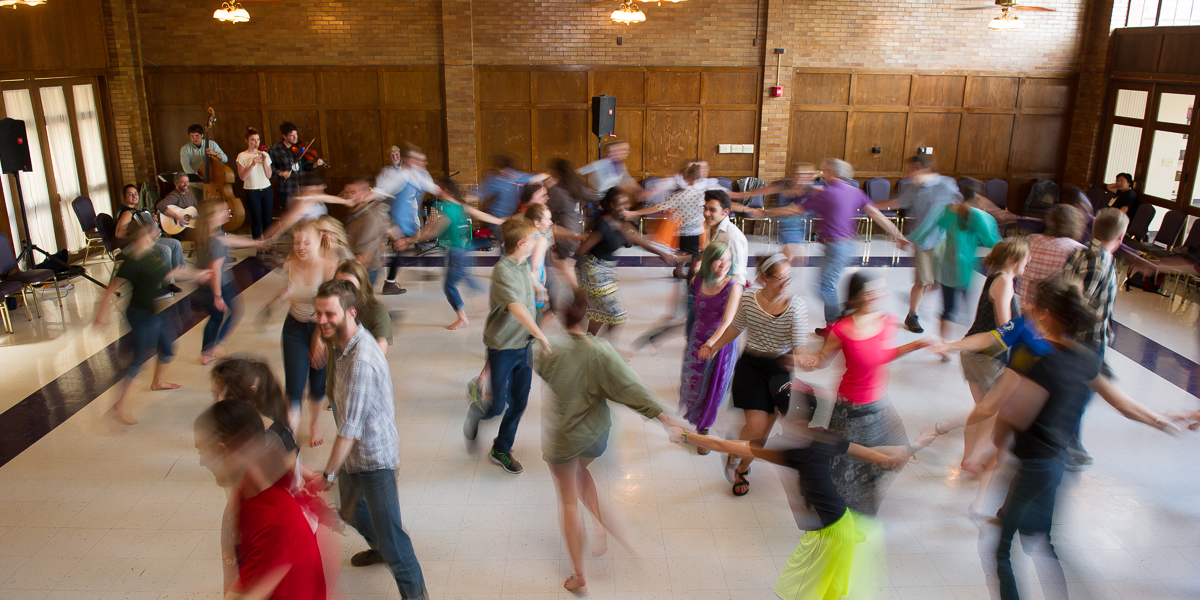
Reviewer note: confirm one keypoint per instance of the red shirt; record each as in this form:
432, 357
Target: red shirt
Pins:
867, 361
274, 533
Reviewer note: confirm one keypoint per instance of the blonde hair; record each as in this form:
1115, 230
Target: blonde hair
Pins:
515, 230
204, 228
1110, 224
332, 224
536, 212
1010, 251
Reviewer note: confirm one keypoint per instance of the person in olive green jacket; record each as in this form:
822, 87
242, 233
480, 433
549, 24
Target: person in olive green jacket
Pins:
584, 372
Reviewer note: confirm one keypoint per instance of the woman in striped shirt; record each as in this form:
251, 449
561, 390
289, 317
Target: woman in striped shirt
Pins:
776, 326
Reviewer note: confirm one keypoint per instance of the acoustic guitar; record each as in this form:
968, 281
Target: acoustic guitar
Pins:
171, 226
219, 182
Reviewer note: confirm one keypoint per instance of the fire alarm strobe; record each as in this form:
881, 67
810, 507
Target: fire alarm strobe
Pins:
777, 91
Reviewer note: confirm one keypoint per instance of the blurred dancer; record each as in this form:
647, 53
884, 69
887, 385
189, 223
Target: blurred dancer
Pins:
1048, 251
567, 196
863, 413
500, 191
335, 246
776, 326
703, 384
366, 227
543, 241
219, 295
792, 194
584, 372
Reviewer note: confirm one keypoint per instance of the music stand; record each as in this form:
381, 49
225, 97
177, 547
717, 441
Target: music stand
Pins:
27, 245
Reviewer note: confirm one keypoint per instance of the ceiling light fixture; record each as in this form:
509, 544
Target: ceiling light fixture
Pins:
15, 3
1006, 21
628, 13
230, 12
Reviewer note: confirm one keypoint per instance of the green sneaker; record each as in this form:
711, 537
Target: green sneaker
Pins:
506, 461
475, 394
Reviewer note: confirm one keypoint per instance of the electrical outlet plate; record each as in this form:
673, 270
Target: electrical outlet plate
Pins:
724, 148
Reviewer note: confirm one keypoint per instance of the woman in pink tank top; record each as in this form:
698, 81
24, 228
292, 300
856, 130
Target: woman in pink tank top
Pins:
863, 414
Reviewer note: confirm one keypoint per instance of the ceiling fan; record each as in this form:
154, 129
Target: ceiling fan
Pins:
1007, 20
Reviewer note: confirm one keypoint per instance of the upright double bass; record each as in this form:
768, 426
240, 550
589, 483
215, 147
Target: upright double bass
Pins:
218, 179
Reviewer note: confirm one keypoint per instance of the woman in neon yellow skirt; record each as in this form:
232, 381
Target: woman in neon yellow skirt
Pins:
819, 568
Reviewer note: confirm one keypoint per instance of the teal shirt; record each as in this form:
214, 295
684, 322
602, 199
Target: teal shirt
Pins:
954, 259
458, 232
512, 283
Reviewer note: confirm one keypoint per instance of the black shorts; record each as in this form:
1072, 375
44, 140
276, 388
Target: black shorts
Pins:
689, 244
756, 382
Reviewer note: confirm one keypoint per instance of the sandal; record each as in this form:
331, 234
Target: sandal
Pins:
741, 481
573, 585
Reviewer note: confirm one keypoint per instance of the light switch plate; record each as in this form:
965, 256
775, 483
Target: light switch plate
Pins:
724, 148
747, 148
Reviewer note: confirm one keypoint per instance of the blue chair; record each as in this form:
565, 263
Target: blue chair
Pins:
996, 190
903, 183
726, 183
878, 189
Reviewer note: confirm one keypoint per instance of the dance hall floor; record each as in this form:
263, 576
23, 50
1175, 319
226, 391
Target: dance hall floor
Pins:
90, 511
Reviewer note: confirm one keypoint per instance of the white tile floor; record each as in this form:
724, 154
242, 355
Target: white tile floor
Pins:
96, 512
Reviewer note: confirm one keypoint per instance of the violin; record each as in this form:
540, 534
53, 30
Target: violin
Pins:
302, 151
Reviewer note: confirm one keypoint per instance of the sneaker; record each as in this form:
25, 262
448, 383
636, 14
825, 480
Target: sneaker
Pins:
471, 424
164, 294
391, 288
174, 288
506, 461
822, 332
913, 324
367, 558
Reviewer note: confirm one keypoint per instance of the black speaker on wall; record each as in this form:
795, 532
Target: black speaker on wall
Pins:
604, 115
14, 147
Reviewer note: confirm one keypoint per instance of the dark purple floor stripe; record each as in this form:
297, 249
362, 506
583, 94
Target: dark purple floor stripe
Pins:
39, 413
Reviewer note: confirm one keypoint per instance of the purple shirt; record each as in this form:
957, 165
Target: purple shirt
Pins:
837, 204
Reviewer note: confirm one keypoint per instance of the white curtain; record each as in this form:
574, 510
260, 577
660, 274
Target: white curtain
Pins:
87, 120
62, 157
18, 105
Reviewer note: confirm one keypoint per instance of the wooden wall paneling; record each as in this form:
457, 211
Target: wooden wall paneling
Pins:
175, 89
354, 142
562, 133
1179, 53
628, 87
63, 35
673, 87
421, 127
1138, 53
991, 92
170, 134
411, 87
813, 136
307, 122
231, 87
729, 87
505, 131
729, 127
630, 127
672, 139
289, 89
938, 130
821, 88
938, 90
560, 87
350, 88
1047, 93
881, 90
984, 142
503, 87
230, 134
1039, 144
869, 129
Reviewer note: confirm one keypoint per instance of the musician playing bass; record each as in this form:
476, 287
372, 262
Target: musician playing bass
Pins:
192, 155
288, 163
175, 204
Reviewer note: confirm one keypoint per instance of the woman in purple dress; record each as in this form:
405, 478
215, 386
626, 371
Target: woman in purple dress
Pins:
703, 383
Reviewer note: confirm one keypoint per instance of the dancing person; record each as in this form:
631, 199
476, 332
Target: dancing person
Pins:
686, 208
543, 241
584, 372
290, 162
276, 551
371, 313
596, 265
1076, 198
500, 192
254, 169
219, 296
863, 413
703, 383
366, 227
153, 332
1049, 250
306, 270
922, 200
451, 226
609, 172
168, 249
367, 450
335, 245
962, 229
567, 196
508, 334
820, 566
776, 326
973, 190
404, 188
792, 194
719, 228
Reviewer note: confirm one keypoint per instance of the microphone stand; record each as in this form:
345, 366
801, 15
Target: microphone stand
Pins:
28, 247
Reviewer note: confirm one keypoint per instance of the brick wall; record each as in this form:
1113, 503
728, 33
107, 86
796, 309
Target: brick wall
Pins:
1088, 118
127, 93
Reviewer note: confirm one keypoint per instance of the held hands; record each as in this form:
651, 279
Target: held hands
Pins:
318, 484
316, 354
705, 352
1185, 418
807, 362
675, 433
895, 457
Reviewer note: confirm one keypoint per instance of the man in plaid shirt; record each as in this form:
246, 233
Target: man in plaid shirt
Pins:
1095, 269
1049, 251
288, 165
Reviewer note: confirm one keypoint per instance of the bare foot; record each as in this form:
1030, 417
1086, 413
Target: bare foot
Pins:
600, 543
164, 385
458, 324
945, 357
315, 439
214, 355
972, 467
576, 584
123, 416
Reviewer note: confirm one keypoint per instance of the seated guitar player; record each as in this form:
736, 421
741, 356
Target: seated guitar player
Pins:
169, 250
178, 209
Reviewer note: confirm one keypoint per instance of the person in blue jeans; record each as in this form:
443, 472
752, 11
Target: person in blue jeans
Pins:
367, 450
507, 335
219, 293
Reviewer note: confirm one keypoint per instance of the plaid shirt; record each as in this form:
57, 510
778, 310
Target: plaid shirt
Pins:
282, 159
1047, 256
1095, 267
364, 406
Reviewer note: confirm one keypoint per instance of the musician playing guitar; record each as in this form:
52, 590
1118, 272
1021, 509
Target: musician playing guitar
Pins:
288, 164
178, 208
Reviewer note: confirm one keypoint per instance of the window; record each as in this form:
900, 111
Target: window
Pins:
1162, 13
18, 104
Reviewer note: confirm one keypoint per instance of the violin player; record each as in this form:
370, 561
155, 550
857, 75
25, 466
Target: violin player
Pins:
289, 159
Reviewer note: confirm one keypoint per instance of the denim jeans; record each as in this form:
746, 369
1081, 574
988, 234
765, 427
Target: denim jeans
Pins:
1029, 509
259, 206
297, 370
456, 271
371, 505
512, 376
220, 323
170, 251
837, 256
151, 332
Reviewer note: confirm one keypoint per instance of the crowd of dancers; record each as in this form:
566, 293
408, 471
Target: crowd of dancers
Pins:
1033, 355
